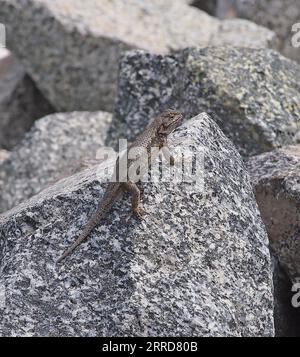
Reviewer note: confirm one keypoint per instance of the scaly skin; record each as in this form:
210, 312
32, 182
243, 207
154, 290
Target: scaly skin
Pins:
155, 135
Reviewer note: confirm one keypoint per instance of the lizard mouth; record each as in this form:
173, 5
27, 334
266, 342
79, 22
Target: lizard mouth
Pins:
178, 121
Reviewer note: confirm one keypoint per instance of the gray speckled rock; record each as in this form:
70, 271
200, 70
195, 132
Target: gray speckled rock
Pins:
71, 48
197, 265
55, 146
278, 15
254, 93
276, 177
21, 103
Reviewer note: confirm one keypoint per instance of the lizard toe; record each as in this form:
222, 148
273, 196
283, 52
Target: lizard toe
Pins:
140, 212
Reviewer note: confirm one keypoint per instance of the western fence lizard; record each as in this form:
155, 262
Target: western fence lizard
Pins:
155, 135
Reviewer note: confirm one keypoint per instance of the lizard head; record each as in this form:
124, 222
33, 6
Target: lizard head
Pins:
170, 119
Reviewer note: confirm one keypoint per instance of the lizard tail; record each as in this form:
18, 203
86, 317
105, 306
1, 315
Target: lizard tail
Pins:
94, 221
83, 236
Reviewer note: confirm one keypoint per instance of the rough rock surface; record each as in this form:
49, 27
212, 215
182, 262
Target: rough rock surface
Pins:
21, 103
53, 149
278, 15
197, 265
253, 94
276, 178
66, 42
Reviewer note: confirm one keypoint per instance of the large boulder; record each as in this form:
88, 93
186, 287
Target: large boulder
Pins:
252, 94
71, 48
197, 265
55, 147
278, 15
276, 178
21, 103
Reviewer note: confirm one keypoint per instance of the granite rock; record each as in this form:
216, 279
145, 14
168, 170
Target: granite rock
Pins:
55, 147
21, 103
278, 15
253, 94
63, 43
197, 265
276, 178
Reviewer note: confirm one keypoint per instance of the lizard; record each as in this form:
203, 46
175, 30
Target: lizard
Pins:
155, 135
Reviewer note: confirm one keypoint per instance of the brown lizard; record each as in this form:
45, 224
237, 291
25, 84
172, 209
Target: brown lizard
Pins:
155, 135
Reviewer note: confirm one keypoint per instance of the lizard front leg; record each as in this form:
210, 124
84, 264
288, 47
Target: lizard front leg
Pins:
137, 209
167, 155
163, 145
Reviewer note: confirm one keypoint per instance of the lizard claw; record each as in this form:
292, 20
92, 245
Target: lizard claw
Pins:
140, 212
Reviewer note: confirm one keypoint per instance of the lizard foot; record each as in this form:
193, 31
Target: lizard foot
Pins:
140, 212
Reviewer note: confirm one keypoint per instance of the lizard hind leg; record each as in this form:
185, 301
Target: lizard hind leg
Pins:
137, 209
